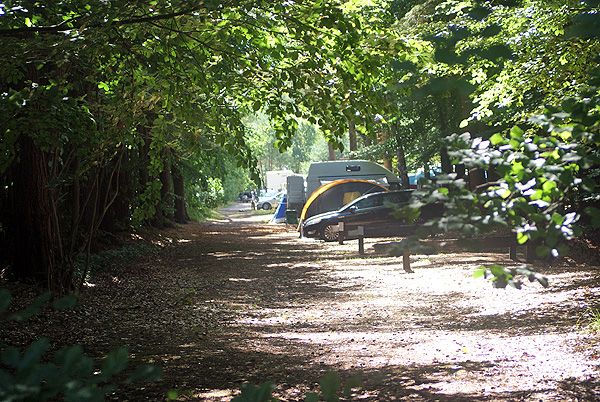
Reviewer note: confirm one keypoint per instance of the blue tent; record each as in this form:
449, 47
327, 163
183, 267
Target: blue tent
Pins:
279, 215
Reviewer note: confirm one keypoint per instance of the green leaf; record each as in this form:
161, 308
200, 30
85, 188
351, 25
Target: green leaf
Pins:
65, 303
33, 353
5, 299
496, 139
542, 251
10, 357
594, 214
330, 385
479, 13
522, 237
311, 397
145, 372
172, 395
33, 309
479, 272
115, 362
548, 186
516, 133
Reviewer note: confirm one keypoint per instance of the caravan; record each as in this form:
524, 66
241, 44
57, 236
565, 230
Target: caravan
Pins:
323, 173
320, 173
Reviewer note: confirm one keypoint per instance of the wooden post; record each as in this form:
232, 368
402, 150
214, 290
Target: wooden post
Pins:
406, 261
361, 245
341, 232
512, 252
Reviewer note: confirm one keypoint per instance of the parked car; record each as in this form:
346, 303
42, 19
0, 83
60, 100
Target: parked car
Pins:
371, 210
246, 196
268, 201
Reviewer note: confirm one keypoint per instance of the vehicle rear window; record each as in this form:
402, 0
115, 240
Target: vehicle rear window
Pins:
397, 198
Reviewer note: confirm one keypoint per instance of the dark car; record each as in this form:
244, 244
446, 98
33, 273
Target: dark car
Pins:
375, 211
246, 196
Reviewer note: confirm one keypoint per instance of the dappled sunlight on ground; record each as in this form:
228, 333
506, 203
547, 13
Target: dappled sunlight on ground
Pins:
237, 301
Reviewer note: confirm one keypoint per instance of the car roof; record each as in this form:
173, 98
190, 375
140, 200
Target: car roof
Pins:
383, 194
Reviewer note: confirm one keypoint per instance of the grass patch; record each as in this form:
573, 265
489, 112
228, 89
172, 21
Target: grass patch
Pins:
104, 260
202, 214
594, 324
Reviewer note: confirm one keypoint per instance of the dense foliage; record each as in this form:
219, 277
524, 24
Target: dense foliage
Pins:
120, 114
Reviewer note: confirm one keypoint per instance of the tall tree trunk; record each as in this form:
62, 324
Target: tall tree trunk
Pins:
352, 135
427, 170
166, 191
118, 213
161, 214
179, 193
401, 157
402, 169
367, 141
476, 178
331, 150
444, 125
383, 137
33, 227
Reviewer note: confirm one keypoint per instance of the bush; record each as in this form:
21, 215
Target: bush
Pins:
30, 375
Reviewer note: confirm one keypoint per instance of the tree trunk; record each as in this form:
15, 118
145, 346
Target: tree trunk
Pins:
33, 228
476, 178
427, 170
352, 135
444, 125
331, 151
181, 215
384, 136
161, 214
402, 169
117, 215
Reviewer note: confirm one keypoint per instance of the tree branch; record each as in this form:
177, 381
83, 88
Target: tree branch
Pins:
59, 28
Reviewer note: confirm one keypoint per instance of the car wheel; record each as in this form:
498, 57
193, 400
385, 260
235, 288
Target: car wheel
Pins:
330, 233
244, 198
266, 206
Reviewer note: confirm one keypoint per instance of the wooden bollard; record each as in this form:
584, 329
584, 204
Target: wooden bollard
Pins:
406, 261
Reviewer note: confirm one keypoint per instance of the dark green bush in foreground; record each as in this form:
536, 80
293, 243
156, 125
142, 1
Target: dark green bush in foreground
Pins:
35, 374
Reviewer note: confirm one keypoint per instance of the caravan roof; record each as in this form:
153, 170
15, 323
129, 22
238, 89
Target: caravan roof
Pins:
320, 173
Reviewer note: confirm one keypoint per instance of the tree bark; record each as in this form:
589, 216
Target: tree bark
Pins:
444, 125
476, 178
331, 151
181, 215
32, 228
118, 213
384, 136
352, 135
402, 169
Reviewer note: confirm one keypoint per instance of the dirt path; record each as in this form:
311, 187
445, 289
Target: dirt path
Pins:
236, 301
